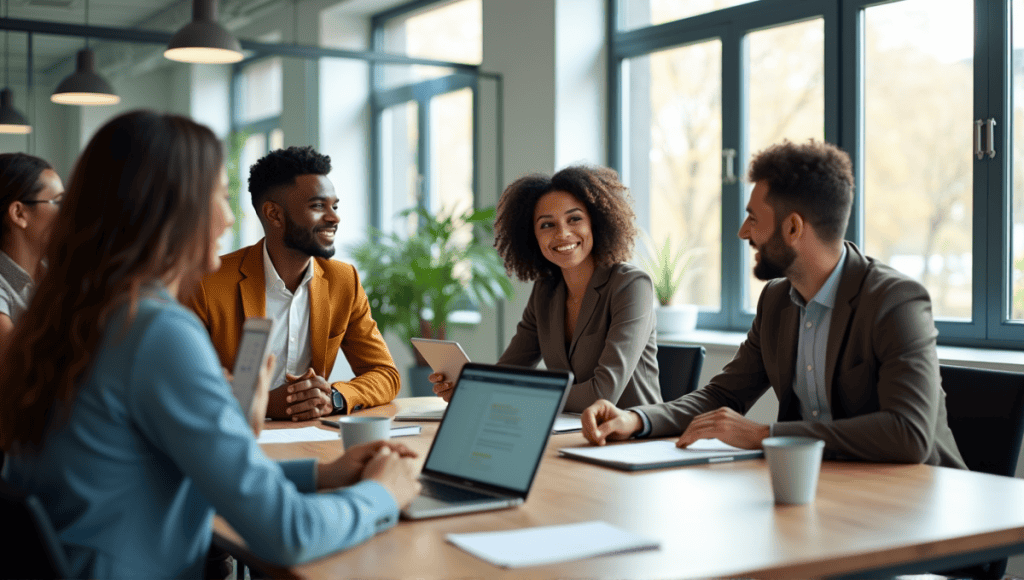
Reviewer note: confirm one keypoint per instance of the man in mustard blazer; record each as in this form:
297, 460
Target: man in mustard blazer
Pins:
317, 304
847, 342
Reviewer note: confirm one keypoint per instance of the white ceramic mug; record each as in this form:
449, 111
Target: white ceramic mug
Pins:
356, 430
794, 463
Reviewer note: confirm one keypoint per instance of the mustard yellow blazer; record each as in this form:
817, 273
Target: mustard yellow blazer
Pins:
339, 318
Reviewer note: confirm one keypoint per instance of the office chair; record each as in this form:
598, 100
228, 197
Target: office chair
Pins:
679, 370
985, 411
34, 551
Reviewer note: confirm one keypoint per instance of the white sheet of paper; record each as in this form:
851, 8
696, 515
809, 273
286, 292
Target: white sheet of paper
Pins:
297, 435
566, 423
550, 544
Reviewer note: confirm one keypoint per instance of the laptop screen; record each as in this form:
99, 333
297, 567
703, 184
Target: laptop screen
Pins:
497, 425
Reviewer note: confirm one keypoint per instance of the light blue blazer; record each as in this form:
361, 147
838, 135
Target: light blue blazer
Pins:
155, 443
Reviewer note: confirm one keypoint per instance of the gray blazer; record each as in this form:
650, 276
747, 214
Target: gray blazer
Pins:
613, 352
886, 396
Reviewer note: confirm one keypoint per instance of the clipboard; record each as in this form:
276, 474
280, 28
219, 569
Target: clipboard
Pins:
443, 356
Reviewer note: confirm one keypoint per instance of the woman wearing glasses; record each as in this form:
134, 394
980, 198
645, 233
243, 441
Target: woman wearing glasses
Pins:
114, 408
30, 195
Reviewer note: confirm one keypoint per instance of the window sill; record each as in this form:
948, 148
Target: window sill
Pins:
722, 342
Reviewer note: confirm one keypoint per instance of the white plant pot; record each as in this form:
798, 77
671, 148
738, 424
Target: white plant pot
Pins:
676, 318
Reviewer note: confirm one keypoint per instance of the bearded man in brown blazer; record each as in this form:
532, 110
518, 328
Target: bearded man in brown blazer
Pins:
846, 342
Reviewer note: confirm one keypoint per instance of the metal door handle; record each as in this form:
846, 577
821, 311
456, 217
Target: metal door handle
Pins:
728, 158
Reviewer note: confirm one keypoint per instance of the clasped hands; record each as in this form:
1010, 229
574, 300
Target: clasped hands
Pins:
603, 422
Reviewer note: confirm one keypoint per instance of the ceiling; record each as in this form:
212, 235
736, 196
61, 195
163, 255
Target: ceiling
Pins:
54, 55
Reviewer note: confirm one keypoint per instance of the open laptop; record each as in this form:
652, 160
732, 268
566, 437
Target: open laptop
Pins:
491, 440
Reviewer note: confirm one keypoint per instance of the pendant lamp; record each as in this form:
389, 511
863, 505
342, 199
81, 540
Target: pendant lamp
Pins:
11, 121
85, 86
204, 40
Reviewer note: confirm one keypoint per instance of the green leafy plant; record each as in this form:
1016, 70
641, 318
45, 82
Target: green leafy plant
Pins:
414, 283
669, 268
233, 165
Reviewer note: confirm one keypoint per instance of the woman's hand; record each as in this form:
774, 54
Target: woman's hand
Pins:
258, 408
442, 387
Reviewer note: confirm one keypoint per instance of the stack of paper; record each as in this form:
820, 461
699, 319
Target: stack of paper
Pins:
550, 544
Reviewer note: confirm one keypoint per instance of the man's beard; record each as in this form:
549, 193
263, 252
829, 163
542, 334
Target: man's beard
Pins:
304, 240
776, 257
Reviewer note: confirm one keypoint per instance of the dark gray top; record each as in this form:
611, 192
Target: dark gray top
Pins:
614, 350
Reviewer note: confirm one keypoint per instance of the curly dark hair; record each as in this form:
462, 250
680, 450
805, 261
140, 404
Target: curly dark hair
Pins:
814, 179
281, 167
607, 201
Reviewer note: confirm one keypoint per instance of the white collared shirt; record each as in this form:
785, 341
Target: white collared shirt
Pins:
289, 340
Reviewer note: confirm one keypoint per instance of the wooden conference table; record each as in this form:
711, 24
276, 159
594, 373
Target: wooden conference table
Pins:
712, 520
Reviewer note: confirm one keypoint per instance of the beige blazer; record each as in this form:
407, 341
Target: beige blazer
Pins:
886, 396
613, 352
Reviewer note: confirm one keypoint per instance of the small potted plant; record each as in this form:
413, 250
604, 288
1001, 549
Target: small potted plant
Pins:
670, 269
414, 282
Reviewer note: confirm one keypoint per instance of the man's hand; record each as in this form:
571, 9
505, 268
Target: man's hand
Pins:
301, 398
726, 425
603, 421
442, 387
348, 468
396, 474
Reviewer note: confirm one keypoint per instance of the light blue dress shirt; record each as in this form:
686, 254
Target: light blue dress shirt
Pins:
809, 384
155, 442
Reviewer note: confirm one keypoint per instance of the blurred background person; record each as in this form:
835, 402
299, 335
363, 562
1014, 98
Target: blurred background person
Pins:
30, 197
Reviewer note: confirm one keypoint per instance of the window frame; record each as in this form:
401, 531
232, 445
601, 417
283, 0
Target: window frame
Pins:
420, 92
844, 126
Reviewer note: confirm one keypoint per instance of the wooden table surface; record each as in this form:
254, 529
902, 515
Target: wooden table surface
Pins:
712, 520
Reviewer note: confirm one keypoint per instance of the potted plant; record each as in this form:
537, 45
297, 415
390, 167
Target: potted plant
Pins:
670, 269
415, 282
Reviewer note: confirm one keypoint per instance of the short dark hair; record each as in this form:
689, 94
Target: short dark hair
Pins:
19, 179
607, 201
814, 179
280, 168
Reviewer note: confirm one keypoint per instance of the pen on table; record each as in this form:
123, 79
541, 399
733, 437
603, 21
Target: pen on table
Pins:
334, 424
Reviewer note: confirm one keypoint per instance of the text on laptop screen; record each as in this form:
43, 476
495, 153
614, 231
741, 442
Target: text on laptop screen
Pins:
496, 426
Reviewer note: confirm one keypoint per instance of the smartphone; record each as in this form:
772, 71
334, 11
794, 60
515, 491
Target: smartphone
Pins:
251, 352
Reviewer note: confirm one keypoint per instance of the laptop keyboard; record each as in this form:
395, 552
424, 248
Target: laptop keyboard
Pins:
450, 493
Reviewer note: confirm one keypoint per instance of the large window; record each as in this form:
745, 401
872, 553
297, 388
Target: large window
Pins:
424, 115
256, 130
914, 90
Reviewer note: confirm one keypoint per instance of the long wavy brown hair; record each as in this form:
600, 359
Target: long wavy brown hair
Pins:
136, 211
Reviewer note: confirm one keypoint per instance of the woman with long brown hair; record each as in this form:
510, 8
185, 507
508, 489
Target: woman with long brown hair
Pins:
114, 409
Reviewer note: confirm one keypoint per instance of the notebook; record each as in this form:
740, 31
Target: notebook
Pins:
656, 454
491, 440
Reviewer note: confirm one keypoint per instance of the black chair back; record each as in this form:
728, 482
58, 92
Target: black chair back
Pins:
34, 550
679, 369
985, 411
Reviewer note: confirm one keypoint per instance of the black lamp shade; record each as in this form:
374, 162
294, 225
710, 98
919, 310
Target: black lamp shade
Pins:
204, 40
11, 121
84, 86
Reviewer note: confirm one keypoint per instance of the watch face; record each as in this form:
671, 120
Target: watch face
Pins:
337, 399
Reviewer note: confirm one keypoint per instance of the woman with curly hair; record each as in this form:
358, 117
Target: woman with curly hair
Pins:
590, 312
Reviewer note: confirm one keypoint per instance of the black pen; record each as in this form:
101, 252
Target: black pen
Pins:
334, 424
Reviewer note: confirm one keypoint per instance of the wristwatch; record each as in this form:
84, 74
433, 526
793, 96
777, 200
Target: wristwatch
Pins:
338, 401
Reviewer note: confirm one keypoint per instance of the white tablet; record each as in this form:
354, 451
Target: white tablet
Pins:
443, 356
